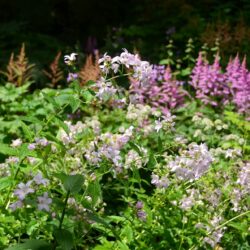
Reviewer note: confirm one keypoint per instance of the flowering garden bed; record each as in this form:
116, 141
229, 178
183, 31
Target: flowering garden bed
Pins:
156, 163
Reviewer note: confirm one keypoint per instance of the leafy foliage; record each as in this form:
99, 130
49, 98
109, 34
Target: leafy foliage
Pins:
85, 167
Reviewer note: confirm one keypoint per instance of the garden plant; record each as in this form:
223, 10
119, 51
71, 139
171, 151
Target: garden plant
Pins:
127, 155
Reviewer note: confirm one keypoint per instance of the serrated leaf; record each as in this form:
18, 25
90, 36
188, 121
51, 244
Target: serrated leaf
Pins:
27, 132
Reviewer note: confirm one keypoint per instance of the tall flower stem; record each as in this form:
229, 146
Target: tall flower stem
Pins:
64, 210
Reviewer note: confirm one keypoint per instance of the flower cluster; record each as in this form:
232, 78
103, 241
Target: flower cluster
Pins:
213, 231
209, 82
162, 182
239, 77
16, 143
243, 190
192, 163
215, 87
134, 159
71, 77
140, 70
163, 91
108, 146
141, 214
30, 187
39, 142
166, 123
104, 90
138, 113
192, 198
69, 137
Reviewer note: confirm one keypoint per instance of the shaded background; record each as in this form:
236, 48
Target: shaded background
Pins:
47, 26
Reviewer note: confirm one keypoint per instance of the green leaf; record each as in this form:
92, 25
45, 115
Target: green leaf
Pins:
94, 191
86, 94
31, 119
27, 132
122, 246
61, 176
31, 244
73, 183
127, 232
65, 239
107, 246
186, 72
116, 219
63, 99
74, 102
96, 218
241, 226
164, 61
24, 151
61, 124
5, 182
6, 150
51, 100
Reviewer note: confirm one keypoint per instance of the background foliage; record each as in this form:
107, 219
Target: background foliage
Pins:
47, 26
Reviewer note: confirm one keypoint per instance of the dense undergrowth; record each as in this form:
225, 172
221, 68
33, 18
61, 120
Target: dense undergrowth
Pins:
127, 156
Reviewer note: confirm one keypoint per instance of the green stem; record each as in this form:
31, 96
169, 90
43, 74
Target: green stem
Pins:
114, 77
64, 210
181, 235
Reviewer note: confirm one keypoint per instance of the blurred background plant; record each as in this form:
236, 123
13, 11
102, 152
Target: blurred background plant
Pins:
146, 25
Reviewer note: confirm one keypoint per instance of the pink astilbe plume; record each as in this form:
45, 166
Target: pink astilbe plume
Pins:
239, 77
209, 82
162, 92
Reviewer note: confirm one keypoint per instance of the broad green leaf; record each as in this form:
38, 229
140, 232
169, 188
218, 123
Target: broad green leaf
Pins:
73, 183
65, 239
